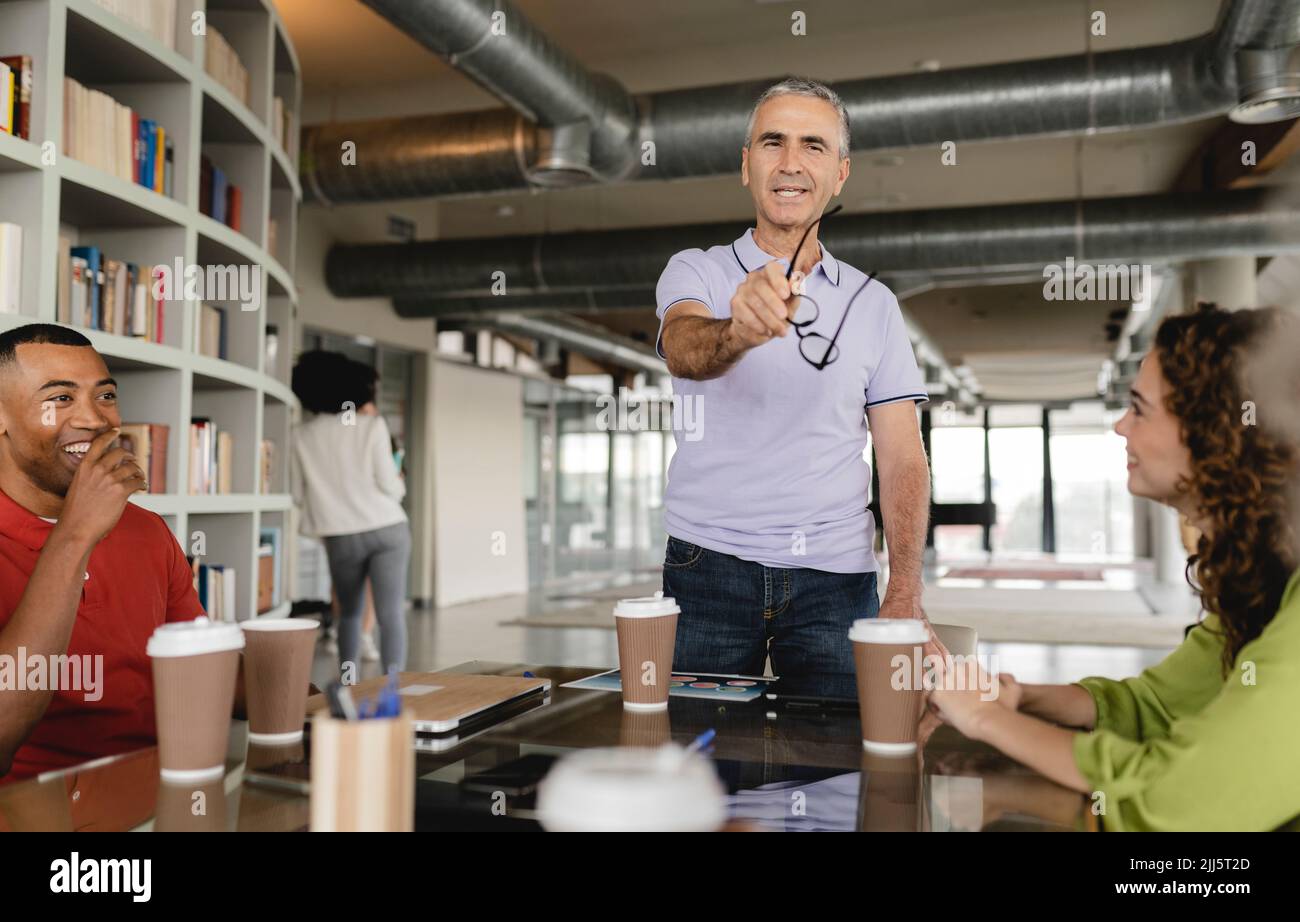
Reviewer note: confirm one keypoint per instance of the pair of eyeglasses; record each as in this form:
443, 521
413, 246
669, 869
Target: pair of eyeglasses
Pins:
815, 348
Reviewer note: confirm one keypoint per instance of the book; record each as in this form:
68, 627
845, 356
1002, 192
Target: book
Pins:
11, 268
224, 66
63, 310
148, 442
218, 194
80, 288
94, 278
98, 291
210, 331
104, 134
155, 17
201, 454
266, 466
169, 160
6, 99
271, 536
24, 77
265, 578
234, 207
225, 462
228, 594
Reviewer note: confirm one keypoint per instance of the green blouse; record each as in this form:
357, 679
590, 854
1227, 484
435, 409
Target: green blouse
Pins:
1181, 748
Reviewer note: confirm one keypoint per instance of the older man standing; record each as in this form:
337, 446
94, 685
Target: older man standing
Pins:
770, 537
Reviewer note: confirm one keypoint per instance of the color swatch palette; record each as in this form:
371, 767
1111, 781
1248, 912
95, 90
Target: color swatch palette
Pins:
689, 685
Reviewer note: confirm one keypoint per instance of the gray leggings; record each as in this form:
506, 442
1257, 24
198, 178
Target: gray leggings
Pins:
384, 556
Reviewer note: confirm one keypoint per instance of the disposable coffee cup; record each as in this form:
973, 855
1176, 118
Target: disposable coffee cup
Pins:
668, 789
887, 653
277, 669
647, 629
195, 664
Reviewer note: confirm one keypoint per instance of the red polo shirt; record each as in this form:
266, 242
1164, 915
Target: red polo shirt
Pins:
138, 578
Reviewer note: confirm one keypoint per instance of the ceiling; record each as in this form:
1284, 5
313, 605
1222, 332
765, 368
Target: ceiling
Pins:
1018, 345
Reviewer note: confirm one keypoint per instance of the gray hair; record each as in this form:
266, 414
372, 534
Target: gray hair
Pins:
799, 86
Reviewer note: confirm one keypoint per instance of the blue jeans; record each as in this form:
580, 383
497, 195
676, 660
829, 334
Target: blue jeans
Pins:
735, 613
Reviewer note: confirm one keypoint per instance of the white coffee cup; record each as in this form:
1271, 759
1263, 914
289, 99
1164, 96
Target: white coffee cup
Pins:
667, 789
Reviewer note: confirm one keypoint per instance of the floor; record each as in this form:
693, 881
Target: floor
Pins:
444, 637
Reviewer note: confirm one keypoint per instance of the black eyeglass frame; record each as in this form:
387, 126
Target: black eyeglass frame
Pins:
832, 352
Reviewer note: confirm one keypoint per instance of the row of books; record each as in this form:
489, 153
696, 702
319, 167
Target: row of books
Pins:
219, 198
156, 17
101, 132
107, 294
223, 65
148, 442
17, 79
215, 585
212, 457
11, 268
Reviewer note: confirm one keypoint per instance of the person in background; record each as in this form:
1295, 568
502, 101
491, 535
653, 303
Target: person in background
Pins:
350, 494
1207, 739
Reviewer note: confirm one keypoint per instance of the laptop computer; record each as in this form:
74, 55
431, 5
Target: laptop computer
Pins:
440, 702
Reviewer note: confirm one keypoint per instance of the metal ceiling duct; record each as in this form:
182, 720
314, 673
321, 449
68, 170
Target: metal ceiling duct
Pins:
588, 123
595, 270
699, 131
594, 342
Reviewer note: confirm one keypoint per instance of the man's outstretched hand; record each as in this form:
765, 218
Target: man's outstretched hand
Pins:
899, 607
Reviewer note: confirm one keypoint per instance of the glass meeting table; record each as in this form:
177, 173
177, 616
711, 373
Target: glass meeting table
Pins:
788, 765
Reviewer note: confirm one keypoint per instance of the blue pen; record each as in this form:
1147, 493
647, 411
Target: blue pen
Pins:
702, 741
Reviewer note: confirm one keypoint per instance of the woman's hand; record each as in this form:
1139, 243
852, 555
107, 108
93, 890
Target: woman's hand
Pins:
1010, 692
962, 707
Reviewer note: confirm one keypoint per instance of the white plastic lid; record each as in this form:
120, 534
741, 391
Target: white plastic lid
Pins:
280, 624
194, 638
648, 606
632, 789
888, 630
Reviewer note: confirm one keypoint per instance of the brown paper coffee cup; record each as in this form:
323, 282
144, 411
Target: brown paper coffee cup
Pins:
277, 669
887, 654
647, 630
195, 664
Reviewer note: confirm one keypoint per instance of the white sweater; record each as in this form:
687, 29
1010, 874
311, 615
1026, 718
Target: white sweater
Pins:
344, 478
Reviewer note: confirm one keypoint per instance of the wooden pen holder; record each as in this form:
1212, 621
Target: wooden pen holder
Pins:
362, 774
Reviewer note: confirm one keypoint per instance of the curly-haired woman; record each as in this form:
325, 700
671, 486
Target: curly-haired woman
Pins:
1208, 738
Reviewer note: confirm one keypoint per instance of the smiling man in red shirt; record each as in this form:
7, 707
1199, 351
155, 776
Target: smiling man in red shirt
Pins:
85, 576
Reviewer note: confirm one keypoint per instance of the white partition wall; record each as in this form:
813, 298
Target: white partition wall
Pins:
478, 502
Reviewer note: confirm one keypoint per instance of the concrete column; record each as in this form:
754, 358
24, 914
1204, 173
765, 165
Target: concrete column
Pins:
1228, 281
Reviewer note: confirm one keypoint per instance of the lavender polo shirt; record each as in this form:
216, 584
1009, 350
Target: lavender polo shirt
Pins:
774, 471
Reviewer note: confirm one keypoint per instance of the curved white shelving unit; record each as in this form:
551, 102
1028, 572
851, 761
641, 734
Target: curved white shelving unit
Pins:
248, 392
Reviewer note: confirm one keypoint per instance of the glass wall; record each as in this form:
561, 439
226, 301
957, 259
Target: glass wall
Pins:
957, 476
1094, 512
598, 509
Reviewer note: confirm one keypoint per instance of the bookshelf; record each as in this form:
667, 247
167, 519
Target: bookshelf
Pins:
246, 393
